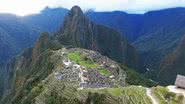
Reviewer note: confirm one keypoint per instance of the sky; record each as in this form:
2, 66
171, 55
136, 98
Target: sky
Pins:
25, 7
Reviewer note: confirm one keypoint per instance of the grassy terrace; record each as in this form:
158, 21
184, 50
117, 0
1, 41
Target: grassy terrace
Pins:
86, 62
163, 96
81, 60
123, 95
60, 93
137, 94
103, 71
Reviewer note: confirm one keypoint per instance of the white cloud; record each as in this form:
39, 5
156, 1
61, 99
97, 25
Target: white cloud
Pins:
23, 7
124, 5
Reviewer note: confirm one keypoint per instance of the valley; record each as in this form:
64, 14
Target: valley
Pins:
90, 58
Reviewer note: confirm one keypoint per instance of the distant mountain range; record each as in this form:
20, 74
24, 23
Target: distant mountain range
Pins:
154, 34
15, 35
79, 54
18, 33
91, 58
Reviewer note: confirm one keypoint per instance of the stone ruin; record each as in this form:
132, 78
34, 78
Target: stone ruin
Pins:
91, 78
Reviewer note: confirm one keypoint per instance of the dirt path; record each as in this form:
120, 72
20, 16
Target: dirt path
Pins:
176, 90
148, 92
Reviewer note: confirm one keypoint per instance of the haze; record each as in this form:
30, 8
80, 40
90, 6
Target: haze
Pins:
25, 7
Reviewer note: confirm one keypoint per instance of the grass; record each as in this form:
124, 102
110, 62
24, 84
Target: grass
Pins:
81, 60
75, 56
163, 96
104, 71
136, 94
123, 95
114, 91
158, 93
86, 62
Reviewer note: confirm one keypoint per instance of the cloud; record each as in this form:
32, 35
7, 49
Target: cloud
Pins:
133, 6
22, 7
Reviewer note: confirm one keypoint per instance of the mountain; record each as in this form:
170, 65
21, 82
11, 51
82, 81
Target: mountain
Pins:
142, 30
49, 19
12, 37
47, 67
127, 24
154, 34
173, 64
79, 31
18, 33
162, 31
147, 31
54, 64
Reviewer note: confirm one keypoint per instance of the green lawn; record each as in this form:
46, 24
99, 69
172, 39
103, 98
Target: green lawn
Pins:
114, 91
81, 60
75, 56
86, 62
104, 71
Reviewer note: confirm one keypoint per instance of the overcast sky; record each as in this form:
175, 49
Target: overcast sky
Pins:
24, 7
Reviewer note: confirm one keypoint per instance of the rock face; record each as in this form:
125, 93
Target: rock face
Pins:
173, 64
79, 31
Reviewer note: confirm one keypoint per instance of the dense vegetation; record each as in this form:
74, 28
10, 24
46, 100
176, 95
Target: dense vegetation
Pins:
147, 31
154, 34
18, 33
173, 64
134, 78
57, 93
29, 76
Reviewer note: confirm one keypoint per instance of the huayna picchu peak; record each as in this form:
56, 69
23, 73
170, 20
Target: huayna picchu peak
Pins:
76, 10
78, 31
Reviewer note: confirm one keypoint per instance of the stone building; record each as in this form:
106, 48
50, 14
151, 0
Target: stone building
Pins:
180, 81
